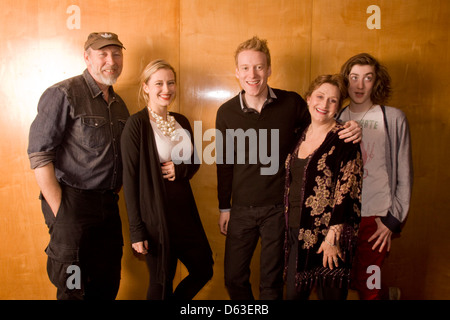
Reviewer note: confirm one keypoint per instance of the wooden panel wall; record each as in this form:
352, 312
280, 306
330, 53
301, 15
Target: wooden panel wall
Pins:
43, 43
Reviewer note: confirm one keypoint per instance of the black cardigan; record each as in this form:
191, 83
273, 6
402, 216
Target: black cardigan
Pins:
144, 188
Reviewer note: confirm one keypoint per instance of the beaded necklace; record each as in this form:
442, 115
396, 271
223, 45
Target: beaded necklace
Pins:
167, 127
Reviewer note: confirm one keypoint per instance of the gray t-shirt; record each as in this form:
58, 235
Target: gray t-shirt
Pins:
376, 193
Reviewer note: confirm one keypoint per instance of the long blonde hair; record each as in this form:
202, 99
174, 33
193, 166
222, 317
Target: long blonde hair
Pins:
149, 70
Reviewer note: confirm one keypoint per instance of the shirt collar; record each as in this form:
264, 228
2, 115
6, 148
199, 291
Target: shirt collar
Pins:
270, 97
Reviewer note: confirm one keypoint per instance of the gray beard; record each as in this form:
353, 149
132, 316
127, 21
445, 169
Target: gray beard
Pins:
104, 80
107, 81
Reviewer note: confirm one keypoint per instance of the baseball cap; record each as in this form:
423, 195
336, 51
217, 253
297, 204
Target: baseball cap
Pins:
98, 40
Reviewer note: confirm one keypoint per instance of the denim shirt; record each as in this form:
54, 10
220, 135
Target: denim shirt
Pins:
79, 132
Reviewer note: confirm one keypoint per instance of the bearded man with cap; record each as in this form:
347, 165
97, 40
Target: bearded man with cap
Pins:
74, 149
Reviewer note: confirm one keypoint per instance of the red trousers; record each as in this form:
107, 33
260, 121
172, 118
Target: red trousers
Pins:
366, 257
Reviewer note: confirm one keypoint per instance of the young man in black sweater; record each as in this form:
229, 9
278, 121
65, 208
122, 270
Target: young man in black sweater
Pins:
258, 127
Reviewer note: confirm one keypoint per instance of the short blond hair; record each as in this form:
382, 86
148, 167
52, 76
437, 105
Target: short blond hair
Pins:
255, 44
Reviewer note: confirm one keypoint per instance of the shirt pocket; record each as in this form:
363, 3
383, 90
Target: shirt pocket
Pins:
121, 124
94, 131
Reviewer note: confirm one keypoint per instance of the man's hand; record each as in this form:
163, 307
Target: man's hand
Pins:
140, 247
224, 218
352, 132
383, 236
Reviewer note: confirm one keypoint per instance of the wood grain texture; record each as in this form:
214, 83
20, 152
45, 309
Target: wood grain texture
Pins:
199, 37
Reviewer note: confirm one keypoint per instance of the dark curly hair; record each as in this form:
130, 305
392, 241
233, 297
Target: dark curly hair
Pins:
381, 91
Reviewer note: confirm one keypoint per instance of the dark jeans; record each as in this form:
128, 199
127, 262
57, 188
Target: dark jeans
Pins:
246, 226
292, 292
86, 233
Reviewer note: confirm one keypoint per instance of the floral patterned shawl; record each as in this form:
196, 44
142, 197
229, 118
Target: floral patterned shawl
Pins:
332, 195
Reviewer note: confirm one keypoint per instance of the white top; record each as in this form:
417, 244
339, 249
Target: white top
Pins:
179, 150
376, 193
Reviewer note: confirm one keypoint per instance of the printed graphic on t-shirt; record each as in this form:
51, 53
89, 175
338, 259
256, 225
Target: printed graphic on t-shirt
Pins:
376, 191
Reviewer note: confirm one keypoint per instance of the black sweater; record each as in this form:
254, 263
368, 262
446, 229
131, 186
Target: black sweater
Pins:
242, 183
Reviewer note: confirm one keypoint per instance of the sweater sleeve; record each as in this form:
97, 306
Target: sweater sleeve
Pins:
224, 170
130, 145
403, 176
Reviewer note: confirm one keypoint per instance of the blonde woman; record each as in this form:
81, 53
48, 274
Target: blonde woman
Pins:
158, 159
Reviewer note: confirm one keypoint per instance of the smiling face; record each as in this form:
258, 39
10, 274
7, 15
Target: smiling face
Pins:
253, 72
323, 103
105, 65
161, 89
361, 81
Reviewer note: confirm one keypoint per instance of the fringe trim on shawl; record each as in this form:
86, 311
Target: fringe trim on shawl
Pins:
330, 278
337, 276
